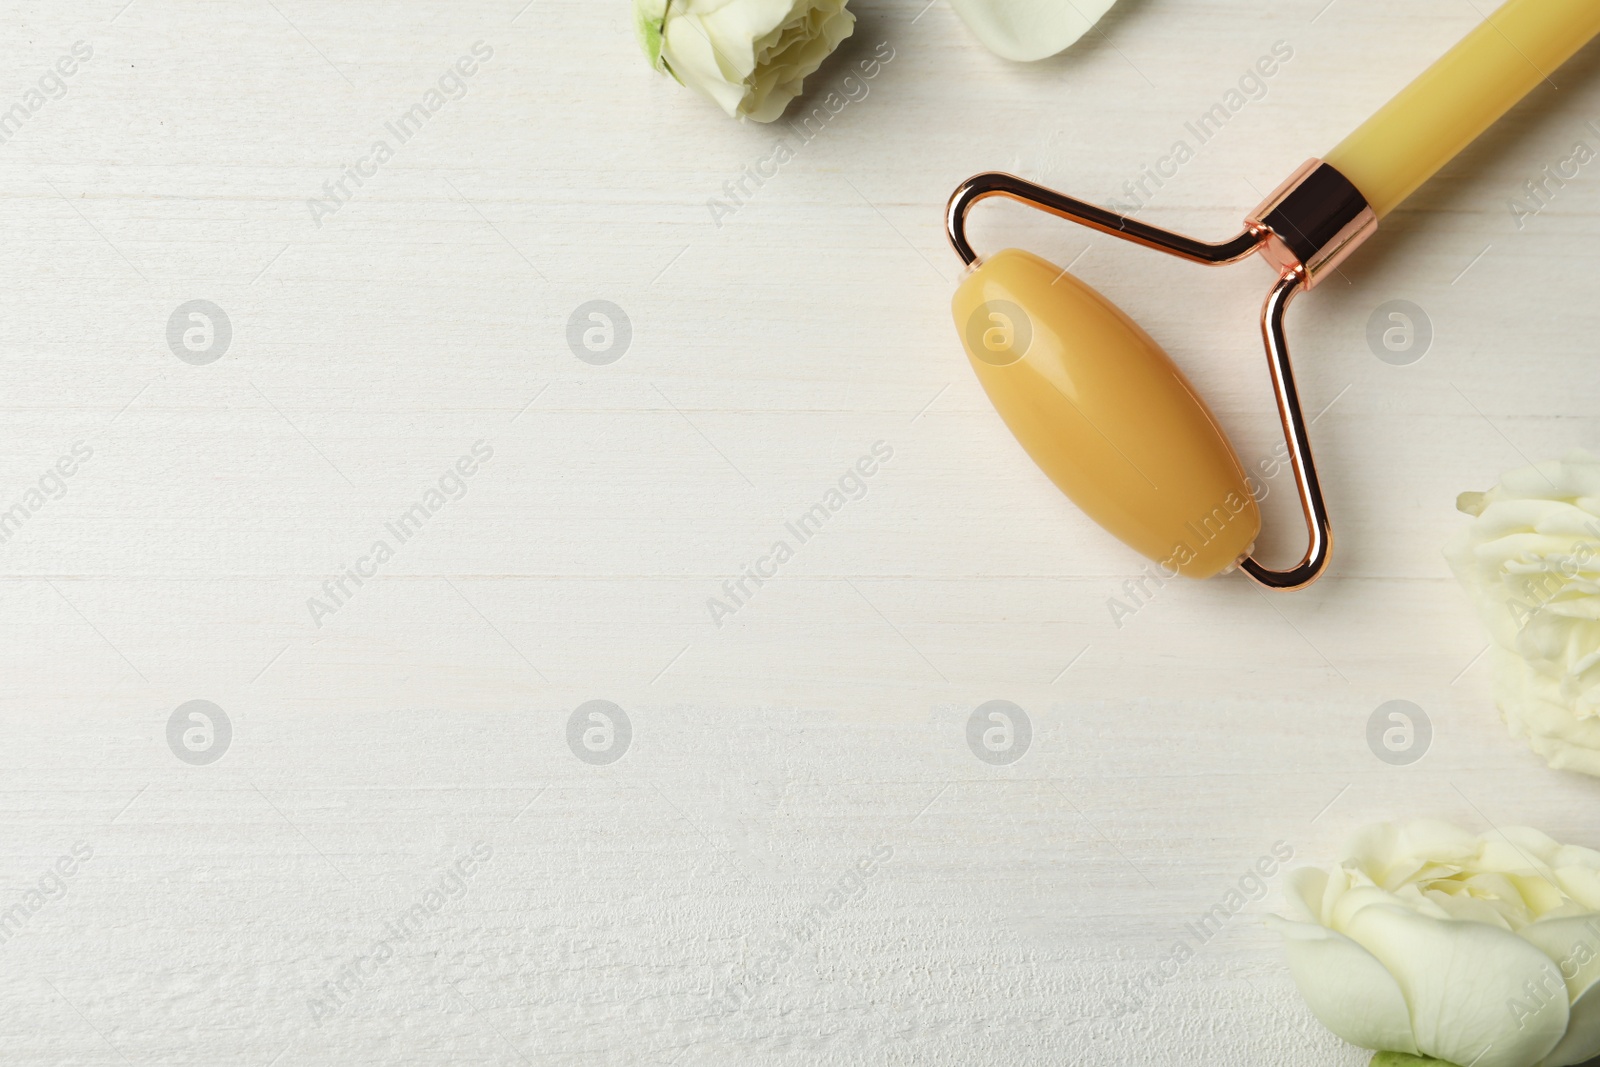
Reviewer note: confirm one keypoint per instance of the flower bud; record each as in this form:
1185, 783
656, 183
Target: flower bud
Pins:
750, 57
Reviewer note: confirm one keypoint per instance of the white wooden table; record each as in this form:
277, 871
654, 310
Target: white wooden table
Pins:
700, 900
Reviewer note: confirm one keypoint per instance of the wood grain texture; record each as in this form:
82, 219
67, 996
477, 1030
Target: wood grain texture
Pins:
624, 906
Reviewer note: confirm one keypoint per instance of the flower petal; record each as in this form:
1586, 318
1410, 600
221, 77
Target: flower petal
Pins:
1582, 1042
1026, 30
1458, 979
1346, 987
1392, 853
1303, 891
1535, 709
695, 62
1574, 945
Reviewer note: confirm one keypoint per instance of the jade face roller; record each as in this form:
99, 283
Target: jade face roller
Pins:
1108, 415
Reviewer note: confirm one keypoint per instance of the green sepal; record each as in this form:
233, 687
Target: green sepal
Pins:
649, 36
650, 22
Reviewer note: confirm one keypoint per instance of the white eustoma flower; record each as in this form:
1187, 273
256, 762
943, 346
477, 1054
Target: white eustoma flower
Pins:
1026, 30
748, 56
1430, 940
1531, 561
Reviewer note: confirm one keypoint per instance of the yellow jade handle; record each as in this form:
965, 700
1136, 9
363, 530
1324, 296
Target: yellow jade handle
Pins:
1462, 95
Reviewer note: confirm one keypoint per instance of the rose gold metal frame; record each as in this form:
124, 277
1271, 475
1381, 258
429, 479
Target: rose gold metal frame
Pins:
1305, 229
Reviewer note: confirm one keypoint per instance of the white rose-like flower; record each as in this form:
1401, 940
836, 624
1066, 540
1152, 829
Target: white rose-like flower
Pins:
1431, 941
1026, 30
749, 56
1531, 561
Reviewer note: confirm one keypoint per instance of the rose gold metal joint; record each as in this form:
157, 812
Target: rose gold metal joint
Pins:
1312, 222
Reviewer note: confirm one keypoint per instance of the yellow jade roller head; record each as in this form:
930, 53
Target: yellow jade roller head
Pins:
1106, 414
1102, 409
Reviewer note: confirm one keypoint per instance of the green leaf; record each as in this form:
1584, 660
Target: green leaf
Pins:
1405, 1059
